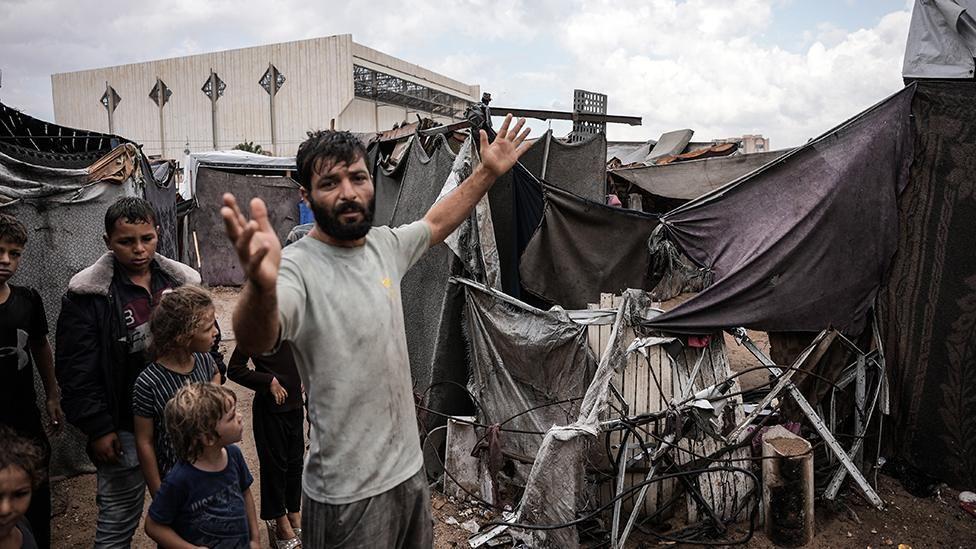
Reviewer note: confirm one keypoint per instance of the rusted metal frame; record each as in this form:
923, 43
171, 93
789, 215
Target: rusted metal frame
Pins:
785, 378
815, 420
860, 432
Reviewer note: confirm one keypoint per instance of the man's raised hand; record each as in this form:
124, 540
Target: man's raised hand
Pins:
257, 245
501, 154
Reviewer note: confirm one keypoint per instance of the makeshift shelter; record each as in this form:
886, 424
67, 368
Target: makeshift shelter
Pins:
58, 182
207, 176
665, 187
877, 212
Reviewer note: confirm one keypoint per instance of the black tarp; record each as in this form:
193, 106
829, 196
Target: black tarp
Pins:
218, 264
161, 193
928, 302
804, 243
583, 248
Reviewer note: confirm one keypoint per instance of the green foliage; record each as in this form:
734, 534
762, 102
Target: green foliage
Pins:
250, 147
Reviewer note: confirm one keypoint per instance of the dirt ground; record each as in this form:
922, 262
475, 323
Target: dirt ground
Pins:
918, 523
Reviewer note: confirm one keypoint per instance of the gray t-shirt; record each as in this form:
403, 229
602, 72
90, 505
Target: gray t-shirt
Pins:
341, 309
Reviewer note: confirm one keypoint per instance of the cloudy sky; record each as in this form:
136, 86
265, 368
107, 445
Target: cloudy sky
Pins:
789, 69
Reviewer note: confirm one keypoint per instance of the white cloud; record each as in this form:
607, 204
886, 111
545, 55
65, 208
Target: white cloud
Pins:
700, 64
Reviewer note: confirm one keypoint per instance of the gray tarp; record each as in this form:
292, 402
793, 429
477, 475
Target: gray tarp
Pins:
584, 248
804, 243
218, 264
941, 40
431, 306
523, 358
691, 179
64, 216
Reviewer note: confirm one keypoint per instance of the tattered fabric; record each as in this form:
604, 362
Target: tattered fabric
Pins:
583, 248
928, 302
805, 242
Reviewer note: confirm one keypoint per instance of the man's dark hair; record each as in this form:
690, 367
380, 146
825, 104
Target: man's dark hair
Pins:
335, 146
12, 230
130, 208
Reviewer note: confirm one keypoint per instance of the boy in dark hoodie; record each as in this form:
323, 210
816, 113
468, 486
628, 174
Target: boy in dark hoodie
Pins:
101, 348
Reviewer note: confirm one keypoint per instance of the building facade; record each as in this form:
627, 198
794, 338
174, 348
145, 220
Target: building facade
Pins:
269, 95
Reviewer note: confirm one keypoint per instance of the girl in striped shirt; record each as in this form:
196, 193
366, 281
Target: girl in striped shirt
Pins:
183, 328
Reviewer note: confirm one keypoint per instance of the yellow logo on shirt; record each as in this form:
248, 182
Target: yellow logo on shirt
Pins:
387, 283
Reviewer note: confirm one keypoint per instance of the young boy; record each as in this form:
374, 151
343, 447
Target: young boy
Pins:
205, 500
101, 349
24, 346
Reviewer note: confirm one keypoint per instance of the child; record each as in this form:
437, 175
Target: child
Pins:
279, 417
24, 346
206, 499
183, 329
21, 470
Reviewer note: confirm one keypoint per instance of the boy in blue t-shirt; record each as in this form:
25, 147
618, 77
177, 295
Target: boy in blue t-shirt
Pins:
23, 347
205, 500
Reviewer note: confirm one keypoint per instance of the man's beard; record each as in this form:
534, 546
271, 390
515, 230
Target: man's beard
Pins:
330, 224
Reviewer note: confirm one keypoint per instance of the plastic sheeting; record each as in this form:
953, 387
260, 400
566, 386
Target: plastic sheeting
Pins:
64, 216
523, 358
431, 306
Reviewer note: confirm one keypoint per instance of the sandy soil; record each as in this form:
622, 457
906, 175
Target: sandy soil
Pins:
930, 522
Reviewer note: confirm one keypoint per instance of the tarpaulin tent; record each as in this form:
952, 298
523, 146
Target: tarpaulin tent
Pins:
208, 176
802, 244
584, 248
58, 182
878, 207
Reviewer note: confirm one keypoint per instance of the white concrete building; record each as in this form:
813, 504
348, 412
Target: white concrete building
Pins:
270, 95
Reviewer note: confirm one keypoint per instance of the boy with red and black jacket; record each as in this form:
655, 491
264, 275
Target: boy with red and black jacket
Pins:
101, 349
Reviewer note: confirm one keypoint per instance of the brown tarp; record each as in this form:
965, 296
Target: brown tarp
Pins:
803, 243
583, 248
928, 303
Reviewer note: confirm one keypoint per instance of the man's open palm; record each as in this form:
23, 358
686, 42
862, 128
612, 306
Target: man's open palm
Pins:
501, 154
257, 245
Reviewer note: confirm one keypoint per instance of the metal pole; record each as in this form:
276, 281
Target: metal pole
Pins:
213, 106
161, 101
274, 91
818, 424
111, 108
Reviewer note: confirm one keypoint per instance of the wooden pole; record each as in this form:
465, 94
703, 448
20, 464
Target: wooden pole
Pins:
787, 488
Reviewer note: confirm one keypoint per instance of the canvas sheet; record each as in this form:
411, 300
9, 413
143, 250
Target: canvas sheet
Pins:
928, 303
691, 179
585, 248
805, 242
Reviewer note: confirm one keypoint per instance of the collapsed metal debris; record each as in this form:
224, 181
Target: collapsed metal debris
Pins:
671, 418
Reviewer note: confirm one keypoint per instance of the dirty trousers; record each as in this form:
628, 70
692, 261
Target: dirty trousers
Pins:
399, 518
